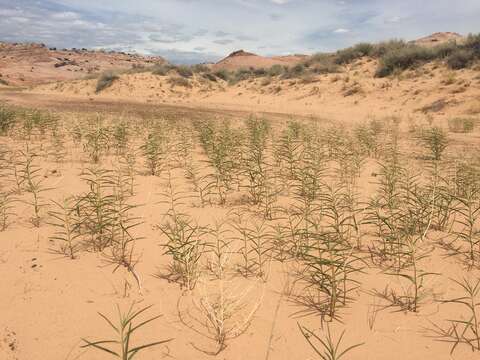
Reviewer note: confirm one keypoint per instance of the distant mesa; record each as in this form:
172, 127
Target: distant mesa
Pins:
242, 59
439, 38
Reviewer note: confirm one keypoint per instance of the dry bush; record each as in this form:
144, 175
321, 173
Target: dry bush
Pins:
223, 310
106, 80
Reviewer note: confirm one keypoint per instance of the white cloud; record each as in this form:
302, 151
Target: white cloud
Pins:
66, 15
185, 29
393, 19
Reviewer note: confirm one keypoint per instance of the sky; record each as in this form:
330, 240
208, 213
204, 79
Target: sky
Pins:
195, 31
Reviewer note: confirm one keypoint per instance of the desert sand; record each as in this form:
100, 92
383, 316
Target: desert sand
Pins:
261, 225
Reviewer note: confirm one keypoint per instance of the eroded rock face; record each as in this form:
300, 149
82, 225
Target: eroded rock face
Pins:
31, 64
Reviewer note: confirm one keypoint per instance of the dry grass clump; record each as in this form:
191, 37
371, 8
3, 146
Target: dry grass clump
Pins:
106, 80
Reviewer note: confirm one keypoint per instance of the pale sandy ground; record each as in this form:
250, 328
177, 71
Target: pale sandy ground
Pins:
351, 96
27, 64
48, 302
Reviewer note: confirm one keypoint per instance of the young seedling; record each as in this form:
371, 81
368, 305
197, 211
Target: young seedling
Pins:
328, 348
96, 208
97, 141
220, 250
6, 209
186, 246
33, 182
66, 222
124, 330
153, 153
465, 330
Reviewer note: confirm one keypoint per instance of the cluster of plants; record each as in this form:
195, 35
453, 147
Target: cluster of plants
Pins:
290, 195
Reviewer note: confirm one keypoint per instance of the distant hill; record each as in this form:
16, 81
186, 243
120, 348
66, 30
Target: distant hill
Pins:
438, 38
242, 59
30, 63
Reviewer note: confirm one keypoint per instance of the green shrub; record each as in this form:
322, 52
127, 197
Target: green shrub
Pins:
318, 58
106, 80
404, 58
260, 72
184, 71
321, 63
276, 70
240, 75
200, 69
473, 43
162, 70
461, 125
445, 50
295, 71
460, 59
223, 74
385, 47
350, 54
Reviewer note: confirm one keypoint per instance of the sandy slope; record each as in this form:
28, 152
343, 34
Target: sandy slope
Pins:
48, 302
354, 94
27, 64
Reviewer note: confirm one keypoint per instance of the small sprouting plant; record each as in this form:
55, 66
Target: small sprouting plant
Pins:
327, 348
220, 250
97, 141
33, 183
465, 330
466, 209
186, 246
124, 331
202, 183
66, 222
95, 208
57, 149
435, 141
6, 201
128, 162
121, 137
154, 153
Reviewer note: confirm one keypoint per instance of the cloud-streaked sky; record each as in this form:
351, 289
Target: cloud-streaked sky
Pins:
188, 31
